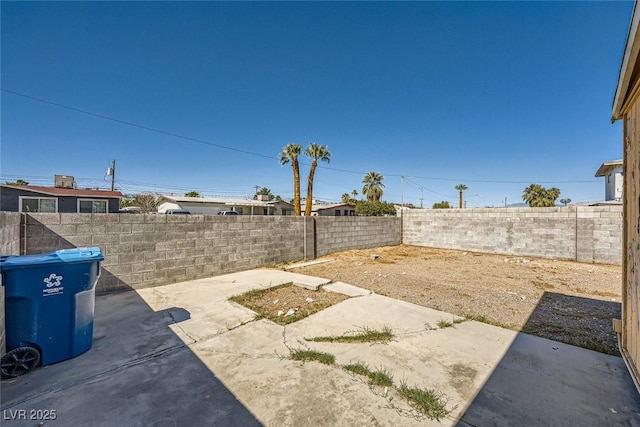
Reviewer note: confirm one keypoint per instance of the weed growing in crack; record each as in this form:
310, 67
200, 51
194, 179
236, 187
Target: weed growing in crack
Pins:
444, 324
447, 324
429, 402
305, 355
364, 334
380, 377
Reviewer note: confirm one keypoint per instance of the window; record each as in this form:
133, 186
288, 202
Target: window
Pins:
38, 204
609, 178
337, 212
92, 206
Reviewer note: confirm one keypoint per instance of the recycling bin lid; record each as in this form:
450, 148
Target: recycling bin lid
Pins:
13, 262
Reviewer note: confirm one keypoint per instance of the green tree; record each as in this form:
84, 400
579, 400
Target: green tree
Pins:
289, 154
354, 193
145, 201
461, 188
537, 196
441, 205
371, 208
315, 152
372, 186
264, 191
192, 194
17, 182
346, 198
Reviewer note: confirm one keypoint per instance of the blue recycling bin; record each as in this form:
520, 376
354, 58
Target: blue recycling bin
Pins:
49, 307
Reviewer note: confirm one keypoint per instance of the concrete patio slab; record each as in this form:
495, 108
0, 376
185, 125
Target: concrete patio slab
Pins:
183, 354
347, 289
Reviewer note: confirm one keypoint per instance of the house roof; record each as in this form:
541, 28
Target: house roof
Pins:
624, 90
74, 192
221, 201
315, 208
604, 168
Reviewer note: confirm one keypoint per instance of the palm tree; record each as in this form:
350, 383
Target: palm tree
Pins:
288, 154
552, 196
461, 188
539, 197
533, 194
373, 186
354, 193
346, 198
316, 152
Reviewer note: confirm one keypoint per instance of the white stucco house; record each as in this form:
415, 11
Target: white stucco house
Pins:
336, 209
613, 174
213, 205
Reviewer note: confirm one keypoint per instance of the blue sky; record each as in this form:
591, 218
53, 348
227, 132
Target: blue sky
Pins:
495, 95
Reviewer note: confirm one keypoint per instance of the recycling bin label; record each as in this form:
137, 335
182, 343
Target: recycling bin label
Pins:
53, 285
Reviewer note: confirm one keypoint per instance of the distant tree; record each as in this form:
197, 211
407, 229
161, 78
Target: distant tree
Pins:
289, 154
537, 196
346, 198
264, 191
354, 193
17, 182
125, 202
315, 152
371, 208
145, 201
565, 201
441, 205
461, 188
372, 186
192, 194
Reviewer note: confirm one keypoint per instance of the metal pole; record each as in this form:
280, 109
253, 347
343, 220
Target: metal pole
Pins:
113, 174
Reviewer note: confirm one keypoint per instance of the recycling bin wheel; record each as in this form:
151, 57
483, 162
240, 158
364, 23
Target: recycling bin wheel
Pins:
19, 361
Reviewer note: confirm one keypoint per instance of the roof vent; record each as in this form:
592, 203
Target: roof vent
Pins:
64, 181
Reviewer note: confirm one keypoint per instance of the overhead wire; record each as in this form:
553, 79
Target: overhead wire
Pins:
252, 153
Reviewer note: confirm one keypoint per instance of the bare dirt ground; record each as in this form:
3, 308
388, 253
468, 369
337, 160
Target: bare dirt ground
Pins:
561, 300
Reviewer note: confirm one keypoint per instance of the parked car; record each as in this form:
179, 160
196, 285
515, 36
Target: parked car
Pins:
227, 213
177, 212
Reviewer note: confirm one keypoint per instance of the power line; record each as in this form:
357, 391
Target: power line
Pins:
252, 153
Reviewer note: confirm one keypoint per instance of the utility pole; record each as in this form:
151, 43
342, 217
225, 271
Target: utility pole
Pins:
112, 171
257, 187
421, 197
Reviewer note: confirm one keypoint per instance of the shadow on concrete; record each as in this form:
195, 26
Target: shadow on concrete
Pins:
543, 382
138, 372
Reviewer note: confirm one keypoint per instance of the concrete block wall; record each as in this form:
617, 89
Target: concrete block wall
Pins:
9, 245
584, 233
335, 234
149, 250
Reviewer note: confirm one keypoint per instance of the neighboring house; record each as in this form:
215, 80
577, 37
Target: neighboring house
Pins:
613, 179
627, 108
31, 198
339, 209
212, 205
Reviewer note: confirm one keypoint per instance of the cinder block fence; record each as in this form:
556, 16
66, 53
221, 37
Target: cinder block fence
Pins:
149, 250
579, 233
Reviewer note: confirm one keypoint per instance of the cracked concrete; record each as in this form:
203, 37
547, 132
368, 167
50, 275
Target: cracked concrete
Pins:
183, 354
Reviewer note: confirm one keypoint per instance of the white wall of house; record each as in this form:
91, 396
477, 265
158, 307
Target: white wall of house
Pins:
613, 184
196, 208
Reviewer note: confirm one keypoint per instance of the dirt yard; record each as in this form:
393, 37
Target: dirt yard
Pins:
561, 300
